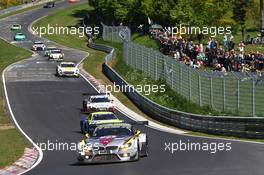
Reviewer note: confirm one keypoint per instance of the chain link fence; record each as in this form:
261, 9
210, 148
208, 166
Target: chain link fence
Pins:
112, 33
235, 93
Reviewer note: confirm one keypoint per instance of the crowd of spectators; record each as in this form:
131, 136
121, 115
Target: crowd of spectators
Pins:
220, 56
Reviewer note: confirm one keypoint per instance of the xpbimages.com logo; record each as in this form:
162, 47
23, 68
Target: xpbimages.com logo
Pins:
146, 89
212, 31
211, 147
64, 30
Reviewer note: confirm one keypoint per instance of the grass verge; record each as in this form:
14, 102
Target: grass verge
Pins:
223, 137
20, 11
24, 10
146, 41
12, 146
12, 142
8, 55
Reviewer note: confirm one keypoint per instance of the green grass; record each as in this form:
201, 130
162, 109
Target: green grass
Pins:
9, 54
20, 11
24, 10
11, 147
145, 40
12, 143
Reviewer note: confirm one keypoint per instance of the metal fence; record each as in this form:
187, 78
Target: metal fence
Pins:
235, 93
112, 33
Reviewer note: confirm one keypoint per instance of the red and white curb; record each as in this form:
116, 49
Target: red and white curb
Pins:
97, 84
21, 165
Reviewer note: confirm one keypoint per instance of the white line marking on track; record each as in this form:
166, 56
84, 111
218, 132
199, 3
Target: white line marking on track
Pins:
40, 156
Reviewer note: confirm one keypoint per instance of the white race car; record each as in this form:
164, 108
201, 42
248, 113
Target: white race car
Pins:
48, 49
98, 102
118, 142
56, 55
38, 45
68, 69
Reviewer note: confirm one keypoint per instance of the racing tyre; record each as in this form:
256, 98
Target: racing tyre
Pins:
84, 106
137, 157
144, 149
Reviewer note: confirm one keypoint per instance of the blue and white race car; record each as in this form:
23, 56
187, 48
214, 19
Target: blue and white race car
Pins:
90, 122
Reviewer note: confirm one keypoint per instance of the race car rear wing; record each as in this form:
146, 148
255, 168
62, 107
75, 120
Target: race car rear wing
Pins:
94, 94
139, 123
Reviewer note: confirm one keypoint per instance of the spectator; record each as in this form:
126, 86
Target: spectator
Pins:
241, 47
225, 41
231, 42
219, 58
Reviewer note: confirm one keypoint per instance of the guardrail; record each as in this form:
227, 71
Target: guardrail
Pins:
246, 127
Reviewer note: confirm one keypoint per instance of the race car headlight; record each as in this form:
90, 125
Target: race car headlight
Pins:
127, 145
87, 149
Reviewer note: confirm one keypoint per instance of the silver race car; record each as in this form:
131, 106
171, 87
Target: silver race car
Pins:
56, 55
118, 142
38, 45
98, 102
67, 69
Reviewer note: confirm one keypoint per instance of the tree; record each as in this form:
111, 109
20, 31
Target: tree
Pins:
239, 14
261, 17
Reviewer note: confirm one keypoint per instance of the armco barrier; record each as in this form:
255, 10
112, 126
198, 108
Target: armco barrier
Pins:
246, 127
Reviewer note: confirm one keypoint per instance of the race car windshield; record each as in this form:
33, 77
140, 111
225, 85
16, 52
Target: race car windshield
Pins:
67, 65
38, 42
105, 117
122, 131
100, 100
55, 51
51, 48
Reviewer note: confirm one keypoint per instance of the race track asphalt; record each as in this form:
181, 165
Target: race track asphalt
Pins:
48, 107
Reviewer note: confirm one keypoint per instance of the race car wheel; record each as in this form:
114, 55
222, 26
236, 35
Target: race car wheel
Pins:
84, 106
57, 74
144, 149
136, 157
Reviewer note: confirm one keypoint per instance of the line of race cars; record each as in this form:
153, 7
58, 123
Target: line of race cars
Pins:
106, 137
68, 69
